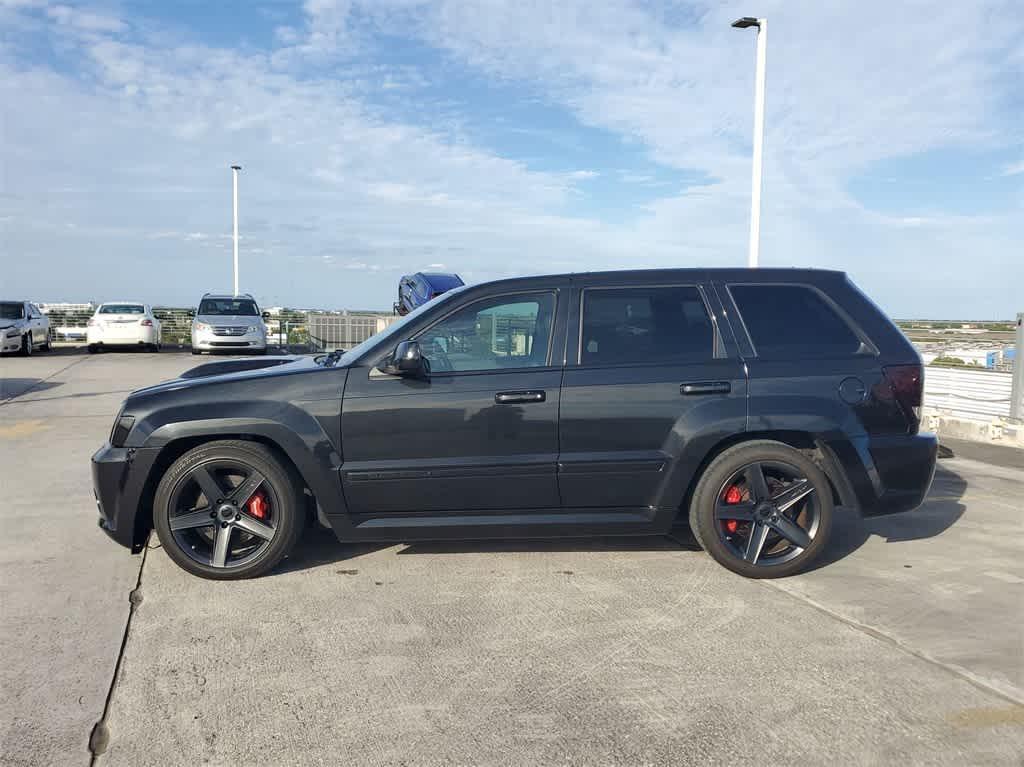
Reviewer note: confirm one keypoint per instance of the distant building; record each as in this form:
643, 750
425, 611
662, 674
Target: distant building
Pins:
984, 358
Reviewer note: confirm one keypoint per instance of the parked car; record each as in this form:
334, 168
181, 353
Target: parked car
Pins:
23, 328
414, 290
228, 323
123, 324
748, 403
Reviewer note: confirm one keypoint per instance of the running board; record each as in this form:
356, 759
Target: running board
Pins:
516, 519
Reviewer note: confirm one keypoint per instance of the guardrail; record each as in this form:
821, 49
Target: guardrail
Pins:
969, 393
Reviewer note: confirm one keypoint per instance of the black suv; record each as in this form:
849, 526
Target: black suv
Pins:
749, 403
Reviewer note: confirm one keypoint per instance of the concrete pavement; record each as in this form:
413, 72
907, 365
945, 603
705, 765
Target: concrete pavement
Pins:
903, 647
64, 586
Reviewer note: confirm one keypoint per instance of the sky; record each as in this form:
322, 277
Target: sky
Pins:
501, 139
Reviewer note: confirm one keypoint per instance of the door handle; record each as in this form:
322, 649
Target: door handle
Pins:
513, 397
705, 387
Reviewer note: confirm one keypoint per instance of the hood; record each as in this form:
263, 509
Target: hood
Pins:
4, 324
225, 371
229, 319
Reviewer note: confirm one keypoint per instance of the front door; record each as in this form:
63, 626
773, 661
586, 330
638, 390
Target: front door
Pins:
481, 433
649, 389
39, 325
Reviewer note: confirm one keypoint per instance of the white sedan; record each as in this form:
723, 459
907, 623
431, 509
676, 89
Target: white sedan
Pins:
123, 323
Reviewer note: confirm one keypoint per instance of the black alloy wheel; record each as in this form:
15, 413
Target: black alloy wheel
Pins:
762, 509
227, 510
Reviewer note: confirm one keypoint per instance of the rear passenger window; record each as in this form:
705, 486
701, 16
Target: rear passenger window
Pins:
632, 325
792, 321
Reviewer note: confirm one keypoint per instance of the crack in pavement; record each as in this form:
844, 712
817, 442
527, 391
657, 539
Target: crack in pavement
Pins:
1014, 696
41, 381
99, 738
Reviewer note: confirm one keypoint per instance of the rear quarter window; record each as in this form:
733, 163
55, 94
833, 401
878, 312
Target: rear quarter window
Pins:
793, 322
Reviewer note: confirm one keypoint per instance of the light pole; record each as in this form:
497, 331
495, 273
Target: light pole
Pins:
234, 207
755, 184
1017, 382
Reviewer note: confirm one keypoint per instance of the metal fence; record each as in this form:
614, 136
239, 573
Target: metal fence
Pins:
970, 393
343, 330
290, 329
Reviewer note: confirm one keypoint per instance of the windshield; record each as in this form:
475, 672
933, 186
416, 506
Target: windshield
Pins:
11, 311
395, 330
122, 309
244, 307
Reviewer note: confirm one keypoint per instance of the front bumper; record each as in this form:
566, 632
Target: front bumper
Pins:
11, 344
119, 479
207, 341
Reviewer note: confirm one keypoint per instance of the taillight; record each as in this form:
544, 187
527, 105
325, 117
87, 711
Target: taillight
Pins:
907, 384
147, 323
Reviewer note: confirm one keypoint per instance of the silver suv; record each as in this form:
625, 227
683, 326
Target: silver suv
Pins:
229, 324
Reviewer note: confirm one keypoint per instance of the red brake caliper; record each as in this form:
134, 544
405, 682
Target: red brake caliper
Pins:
258, 506
732, 496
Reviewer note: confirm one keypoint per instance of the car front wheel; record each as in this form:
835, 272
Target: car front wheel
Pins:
26, 345
228, 510
762, 509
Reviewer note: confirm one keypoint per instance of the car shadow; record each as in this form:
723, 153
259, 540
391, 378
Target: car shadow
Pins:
15, 387
941, 510
320, 547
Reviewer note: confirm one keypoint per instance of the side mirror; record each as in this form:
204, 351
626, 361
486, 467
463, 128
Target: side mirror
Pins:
191, 312
266, 315
407, 360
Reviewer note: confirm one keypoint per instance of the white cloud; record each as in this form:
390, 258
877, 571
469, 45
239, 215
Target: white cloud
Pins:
85, 21
1013, 169
131, 143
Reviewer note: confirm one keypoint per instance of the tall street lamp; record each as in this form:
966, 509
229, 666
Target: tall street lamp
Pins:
755, 184
234, 208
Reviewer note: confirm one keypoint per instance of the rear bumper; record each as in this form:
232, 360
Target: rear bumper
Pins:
888, 474
119, 477
131, 337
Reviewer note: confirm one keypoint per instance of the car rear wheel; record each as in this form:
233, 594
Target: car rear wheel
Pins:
228, 510
762, 509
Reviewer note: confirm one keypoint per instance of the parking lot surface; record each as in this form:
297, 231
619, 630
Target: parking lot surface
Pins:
904, 647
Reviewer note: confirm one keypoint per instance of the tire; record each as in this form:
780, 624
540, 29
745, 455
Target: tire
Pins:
196, 352
280, 484
26, 345
93, 349
726, 475
45, 347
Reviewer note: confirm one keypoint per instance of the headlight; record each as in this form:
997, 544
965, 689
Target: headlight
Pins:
12, 332
254, 329
122, 427
201, 326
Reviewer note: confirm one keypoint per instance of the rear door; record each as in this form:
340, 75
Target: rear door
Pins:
481, 432
651, 383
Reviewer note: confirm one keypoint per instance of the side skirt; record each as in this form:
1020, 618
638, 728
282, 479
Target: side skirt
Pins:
517, 523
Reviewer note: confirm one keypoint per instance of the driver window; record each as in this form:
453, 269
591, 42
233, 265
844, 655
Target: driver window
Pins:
499, 333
